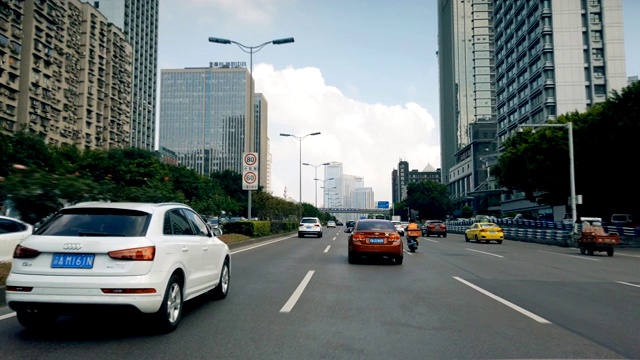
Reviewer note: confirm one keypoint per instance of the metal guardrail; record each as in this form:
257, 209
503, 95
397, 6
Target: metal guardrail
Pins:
547, 232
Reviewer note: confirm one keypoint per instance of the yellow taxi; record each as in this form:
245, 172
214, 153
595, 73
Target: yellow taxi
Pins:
484, 231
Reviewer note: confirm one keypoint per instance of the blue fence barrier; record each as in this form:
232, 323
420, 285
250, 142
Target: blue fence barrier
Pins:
548, 232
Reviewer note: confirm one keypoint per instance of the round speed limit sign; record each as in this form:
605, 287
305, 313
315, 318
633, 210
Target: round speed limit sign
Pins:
250, 177
250, 159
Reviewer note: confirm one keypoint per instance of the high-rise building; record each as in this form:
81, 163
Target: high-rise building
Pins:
66, 74
138, 19
402, 176
555, 57
333, 189
363, 198
465, 56
203, 115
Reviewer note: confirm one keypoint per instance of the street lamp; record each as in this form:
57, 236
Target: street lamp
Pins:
300, 138
572, 175
316, 177
252, 120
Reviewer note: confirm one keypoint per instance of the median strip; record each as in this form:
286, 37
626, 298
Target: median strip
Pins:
505, 302
296, 294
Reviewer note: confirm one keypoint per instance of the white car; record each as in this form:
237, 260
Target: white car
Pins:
331, 224
146, 257
310, 226
399, 227
12, 231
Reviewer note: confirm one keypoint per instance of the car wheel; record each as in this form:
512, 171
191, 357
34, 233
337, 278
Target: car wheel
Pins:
300, 235
590, 252
351, 258
320, 235
499, 241
399, 260
220, 292
466, 238
610, 252
583, 251
444, 235
170, 312
476, 238
36, 320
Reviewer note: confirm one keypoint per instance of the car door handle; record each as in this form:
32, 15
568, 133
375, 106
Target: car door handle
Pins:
185, 249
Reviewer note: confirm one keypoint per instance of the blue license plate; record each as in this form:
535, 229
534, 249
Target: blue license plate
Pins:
73, 261
376, 241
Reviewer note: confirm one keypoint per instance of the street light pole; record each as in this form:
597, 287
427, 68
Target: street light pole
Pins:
300, 138
252, 120
572, 175
316, 177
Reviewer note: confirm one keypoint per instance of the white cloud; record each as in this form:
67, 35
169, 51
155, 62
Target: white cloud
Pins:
368, 139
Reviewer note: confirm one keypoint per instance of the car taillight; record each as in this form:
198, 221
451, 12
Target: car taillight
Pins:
483, 230
22, 252
395, 237
500, 230
358, 237
129, 291
138, 254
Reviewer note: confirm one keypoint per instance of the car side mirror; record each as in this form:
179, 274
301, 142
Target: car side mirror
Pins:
216, 231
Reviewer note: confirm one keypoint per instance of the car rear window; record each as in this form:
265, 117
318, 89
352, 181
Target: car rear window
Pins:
375, 225
488, 225
96, 222
309, 221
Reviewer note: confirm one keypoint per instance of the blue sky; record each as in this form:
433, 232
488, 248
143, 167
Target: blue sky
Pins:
364, 73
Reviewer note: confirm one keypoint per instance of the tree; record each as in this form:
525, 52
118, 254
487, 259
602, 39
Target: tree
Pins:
604, 143
429, 198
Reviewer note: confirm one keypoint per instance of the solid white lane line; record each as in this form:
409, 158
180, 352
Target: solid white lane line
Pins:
296, 294
432, 240
575, 256
261, 244
7, 316
486, 253
626, 283
505, 302
629, 255
327, 249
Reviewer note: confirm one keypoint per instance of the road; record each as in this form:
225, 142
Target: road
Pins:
296, 298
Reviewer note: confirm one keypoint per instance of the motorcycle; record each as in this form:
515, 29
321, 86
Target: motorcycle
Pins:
412, 239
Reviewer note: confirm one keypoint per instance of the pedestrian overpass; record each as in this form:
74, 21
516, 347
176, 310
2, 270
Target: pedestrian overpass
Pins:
354, 211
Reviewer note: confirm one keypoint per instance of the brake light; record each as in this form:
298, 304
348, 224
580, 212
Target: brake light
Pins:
395, 237
358, 237
483, 230
500, 230
22, 252
137, 254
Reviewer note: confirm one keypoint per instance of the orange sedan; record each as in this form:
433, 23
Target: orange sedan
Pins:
375, 238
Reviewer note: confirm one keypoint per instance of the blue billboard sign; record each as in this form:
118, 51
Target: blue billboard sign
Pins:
383, 204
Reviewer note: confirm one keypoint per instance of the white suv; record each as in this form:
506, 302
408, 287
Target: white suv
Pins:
310, 226
146, 257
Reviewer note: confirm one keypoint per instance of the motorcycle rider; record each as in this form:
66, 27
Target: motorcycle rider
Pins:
413, 225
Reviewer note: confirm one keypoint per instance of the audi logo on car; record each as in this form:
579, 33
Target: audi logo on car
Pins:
71, 246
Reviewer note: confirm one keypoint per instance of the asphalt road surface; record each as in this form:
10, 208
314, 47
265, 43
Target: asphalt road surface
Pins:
294, 298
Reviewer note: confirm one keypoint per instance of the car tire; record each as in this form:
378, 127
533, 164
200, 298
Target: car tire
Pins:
36, 320
170, 312
222, 289
499, 241
476, 239
444, 235
583, 251
399, 260
466, 238
320, 235
300, 235
610, 252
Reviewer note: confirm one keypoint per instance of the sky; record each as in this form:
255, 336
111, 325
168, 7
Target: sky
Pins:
363, 73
